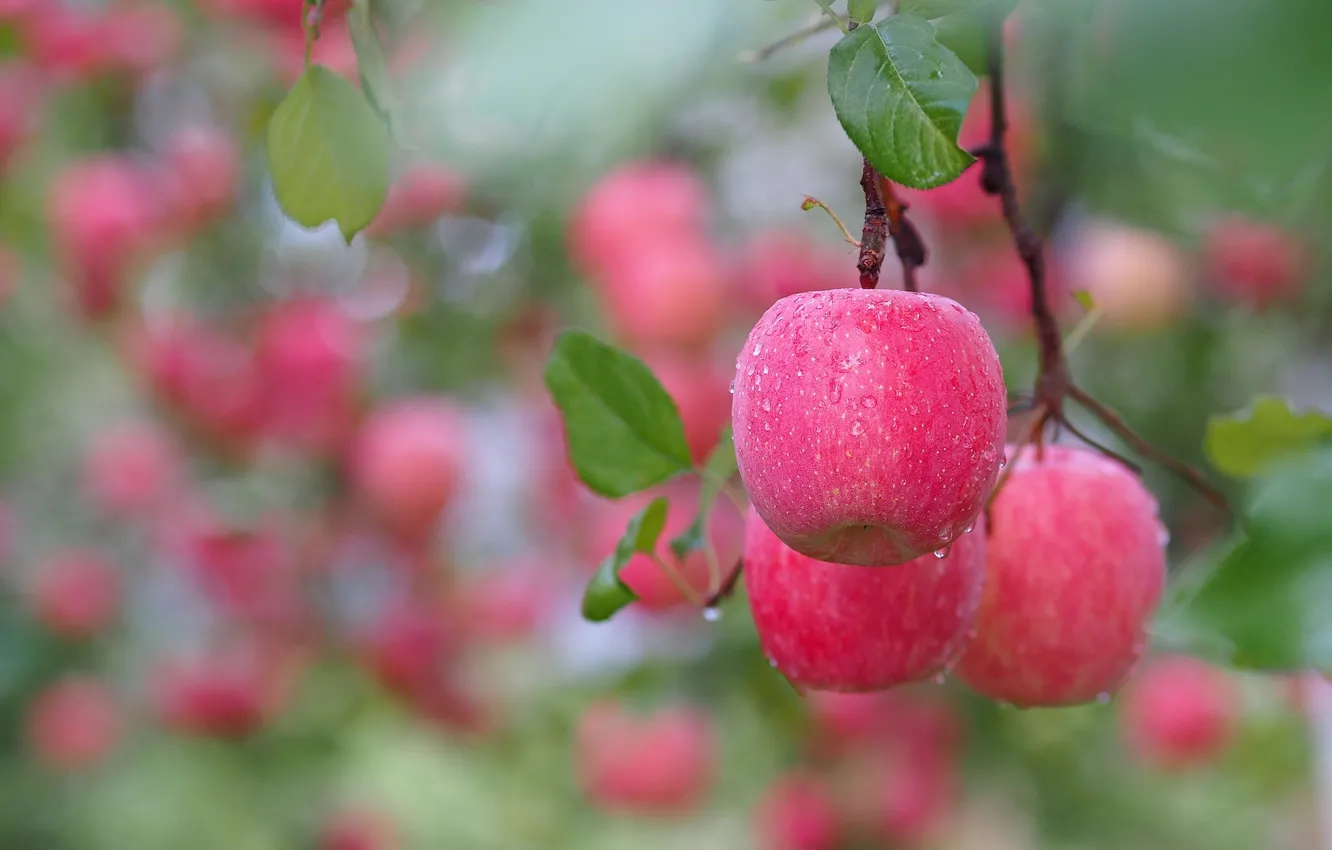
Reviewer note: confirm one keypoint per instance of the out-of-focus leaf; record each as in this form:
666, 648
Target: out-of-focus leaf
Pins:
1246, 443
329, 153
960, 25
719, 469
861, 11
901, 96
371, 64
1085, 300
1268, 601
605, 593
624, 430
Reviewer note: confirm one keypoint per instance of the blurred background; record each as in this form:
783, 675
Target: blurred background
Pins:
290, 551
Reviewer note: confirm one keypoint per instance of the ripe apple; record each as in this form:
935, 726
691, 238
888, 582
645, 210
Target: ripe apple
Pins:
701, 391
407, 462
869, 424
1075, 565
779, 263
659, 764
1255, 264
203, 166
667, 292
228, 693
797, 813
73, 723
358, 829
76, 593
130, 468
845, 628
422, 193
1178, 712
1136, 278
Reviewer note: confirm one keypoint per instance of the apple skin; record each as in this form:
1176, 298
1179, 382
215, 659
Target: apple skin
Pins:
1178, 712
835, 627
869, 424
1075, 566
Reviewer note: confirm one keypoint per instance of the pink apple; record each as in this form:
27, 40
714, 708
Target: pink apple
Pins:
140, 38
837, 627
507, 603
76, 593
1178, 712
869, 424
358, 829
407, 462
130, 468
228, 693
797, 813
203, 165
701, 391
1136, 278
73, 723
635, 204
22, 91
422, 193
249, 574
1075, 565
1255, 264
667, 292
658, 764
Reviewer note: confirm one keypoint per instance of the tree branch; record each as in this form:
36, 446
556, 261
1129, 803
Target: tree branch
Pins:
823, 24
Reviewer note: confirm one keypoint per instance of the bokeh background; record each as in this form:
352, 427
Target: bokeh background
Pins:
291, 554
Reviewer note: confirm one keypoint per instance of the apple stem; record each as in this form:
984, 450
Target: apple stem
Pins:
686, 590
1053, 384
727, 586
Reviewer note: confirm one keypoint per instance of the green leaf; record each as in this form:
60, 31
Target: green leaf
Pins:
901, 97
719, 469
623, 429
861, 11
605, 593
371, 65
329, 153
1246, 443
1268, 599
1085, 300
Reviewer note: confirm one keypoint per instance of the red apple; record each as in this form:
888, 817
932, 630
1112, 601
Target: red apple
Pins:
76, 593
226, 693
797, 813
131, 468
869, 424
1075, 566
140, 38
1255, 264
358, 829
1178, 712
249, 574
407, 462
637, 203
667, 292
701, 391
660, 764
507, 603
203, 165
843, 628
73, 724
21, 95
776, 264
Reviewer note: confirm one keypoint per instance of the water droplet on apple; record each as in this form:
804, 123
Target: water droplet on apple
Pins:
732, 387
942, 553
1103, 698
767, 406
836, 393
1162, 536
857, 428
712, 614
969, 528
941, 679
868, 402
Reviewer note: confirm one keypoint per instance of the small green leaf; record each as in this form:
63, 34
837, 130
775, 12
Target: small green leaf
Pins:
901, 96
605, 593
371, 65
624, 430
720, 468
1246, 443
1268, 599
861, 11
329, 153
1085, 300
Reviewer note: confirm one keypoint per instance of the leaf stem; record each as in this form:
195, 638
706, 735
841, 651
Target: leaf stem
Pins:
679, 581
823, 24
813, 203
826, 6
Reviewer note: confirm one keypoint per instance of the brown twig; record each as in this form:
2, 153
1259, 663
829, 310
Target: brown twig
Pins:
823, 24
727, 587
874, 235
1053, 383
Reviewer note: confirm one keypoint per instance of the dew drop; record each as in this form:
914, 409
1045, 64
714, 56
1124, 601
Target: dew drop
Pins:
1162, 536
758, 349
941, 679
868, 402
732, 387
749, 372
857, 428
1103, 698
941, 553
767, 406
836, 393
712, 614
969, 529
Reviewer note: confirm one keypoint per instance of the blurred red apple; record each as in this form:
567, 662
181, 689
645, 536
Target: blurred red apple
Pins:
358, 829
131, 468
73, 723
776, 264
1178, 712
1255, 264
422, 193
203, 165
701, 391
76, 593
659, 764
1136, 278
227, 693
797, 813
